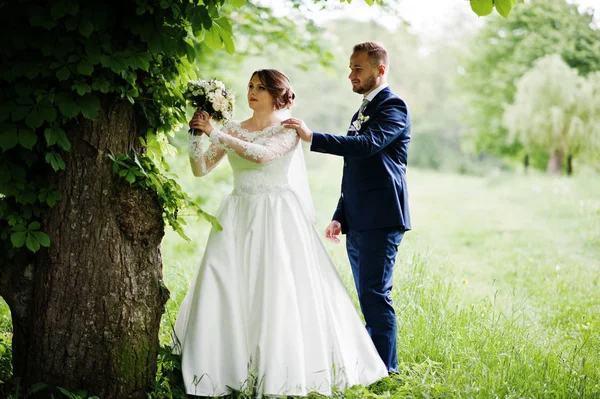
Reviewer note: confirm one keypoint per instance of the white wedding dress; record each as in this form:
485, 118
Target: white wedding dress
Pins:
267, 302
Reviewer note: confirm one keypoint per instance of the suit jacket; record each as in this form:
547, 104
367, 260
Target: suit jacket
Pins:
375, 150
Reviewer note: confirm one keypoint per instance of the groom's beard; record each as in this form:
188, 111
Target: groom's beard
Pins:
367, 86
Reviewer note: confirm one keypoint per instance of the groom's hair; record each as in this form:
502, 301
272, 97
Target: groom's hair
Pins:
377, 53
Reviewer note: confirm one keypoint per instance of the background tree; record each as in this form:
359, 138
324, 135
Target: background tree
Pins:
504, 50
553, 109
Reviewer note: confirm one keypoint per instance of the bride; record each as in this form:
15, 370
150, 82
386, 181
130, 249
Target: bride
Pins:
267, 302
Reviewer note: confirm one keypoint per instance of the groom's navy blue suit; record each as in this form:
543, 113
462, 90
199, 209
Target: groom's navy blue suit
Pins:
373, 207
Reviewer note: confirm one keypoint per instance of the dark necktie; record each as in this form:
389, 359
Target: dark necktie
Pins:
363, 106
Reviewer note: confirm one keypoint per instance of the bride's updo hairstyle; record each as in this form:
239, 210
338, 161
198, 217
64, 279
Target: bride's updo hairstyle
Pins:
278, 86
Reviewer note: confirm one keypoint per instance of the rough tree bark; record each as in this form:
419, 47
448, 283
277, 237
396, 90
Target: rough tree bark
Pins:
97, 291
555, 163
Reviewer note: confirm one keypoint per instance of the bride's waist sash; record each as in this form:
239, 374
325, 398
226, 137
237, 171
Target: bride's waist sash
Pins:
257, 189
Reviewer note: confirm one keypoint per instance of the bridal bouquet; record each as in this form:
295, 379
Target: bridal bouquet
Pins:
212, 97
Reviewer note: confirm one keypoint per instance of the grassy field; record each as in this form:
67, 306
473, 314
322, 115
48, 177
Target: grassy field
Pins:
497, 288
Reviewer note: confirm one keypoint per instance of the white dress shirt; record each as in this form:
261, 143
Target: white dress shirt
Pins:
375, 92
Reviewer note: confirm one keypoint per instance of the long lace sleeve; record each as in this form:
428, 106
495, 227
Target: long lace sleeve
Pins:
274, 147
202, 162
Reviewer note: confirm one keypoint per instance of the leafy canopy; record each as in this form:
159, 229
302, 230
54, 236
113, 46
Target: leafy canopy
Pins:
68, 59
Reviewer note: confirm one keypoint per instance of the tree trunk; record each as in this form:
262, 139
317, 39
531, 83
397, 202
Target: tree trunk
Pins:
526, 162
555, 163
570, 165
98, 293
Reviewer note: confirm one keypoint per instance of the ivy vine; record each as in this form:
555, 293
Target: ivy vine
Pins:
65, 59
139, 170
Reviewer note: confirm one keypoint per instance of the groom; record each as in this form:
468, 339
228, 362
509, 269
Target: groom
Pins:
373, 207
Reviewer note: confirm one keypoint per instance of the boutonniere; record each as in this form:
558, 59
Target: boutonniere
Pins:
360, 120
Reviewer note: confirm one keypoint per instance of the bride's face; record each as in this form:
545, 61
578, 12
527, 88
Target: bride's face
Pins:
259, 97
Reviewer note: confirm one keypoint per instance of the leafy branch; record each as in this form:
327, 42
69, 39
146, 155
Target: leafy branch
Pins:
140, 170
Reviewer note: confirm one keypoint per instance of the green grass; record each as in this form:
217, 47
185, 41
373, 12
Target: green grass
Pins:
497, 288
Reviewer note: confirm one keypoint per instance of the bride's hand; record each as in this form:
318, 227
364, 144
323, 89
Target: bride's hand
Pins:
201, 121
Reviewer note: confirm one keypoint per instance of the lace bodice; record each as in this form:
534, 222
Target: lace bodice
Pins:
277, 142
260, 160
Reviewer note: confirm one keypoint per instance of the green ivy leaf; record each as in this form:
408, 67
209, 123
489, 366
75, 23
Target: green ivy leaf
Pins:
18, 239
212, 39
20, 112
48, 114
67, 105
53, 197
63, 141
93, 50
27, 138
58, 11
85, 68
31, 70
114, 62
101, 85
86, 28
39, 18
51, 135
63, 73
34, 119
32, 243
503, 7
90, 105
19, 226
240, 3
5, 110
142, 61
220, 34
198, 17
56, 161
211, 219
482, 7
130, 177
82, 88
9, 137
42, 238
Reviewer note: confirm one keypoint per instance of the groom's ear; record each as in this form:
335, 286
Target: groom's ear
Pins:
382, 69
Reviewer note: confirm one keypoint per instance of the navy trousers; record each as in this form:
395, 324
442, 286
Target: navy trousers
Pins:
372, 255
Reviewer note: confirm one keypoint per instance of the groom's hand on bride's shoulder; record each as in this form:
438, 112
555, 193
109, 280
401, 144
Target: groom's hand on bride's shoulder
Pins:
333, 231
299, 126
